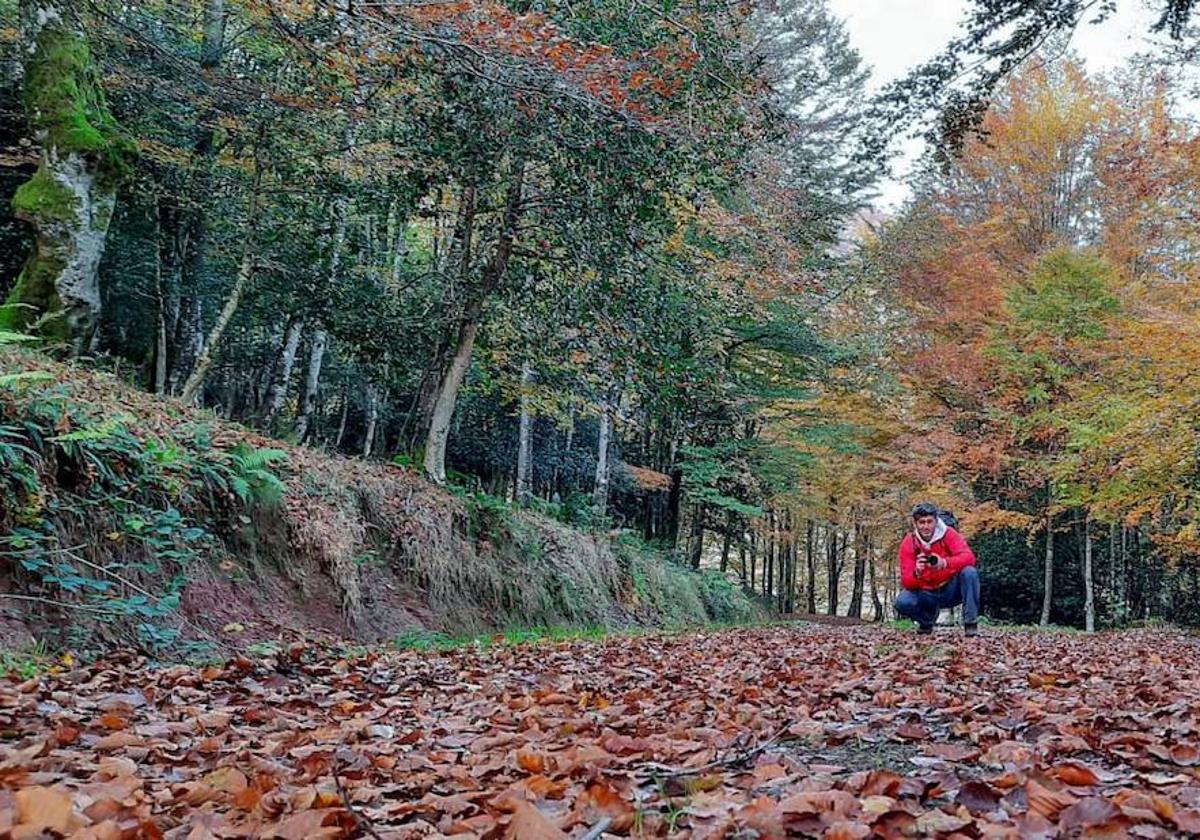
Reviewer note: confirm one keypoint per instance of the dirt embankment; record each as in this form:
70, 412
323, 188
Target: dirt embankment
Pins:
129, 517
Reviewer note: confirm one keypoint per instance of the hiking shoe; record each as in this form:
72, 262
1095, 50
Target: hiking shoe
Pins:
970, 629
925, 630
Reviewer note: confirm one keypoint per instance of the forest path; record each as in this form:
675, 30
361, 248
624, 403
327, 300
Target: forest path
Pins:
796, 730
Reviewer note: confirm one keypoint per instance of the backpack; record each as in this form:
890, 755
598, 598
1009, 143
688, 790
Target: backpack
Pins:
949, 518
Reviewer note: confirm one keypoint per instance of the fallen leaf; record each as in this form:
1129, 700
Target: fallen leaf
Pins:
939, 822
42, 808
530, 761
1047, 802
978, 797
528, 823
1085, 813
1075, 774
1185, 755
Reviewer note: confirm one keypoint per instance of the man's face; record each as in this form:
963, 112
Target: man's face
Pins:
925, 526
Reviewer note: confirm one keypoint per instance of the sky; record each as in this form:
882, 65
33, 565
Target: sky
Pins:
895, 35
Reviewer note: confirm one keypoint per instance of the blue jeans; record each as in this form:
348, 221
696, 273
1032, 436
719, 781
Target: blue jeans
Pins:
923, 606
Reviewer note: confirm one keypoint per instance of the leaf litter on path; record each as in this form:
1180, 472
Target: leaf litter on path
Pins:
794, 731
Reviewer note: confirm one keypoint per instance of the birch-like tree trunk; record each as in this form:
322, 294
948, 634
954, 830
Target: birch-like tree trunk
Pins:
312, 379
277, 394
524, 439
372, 420
600, 489
1089, 590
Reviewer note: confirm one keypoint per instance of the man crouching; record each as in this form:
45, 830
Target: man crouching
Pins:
937, 571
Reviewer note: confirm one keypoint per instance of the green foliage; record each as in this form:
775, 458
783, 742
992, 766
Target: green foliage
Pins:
1068, 295
430, 641
104, 524
680, 596
251, 477
27, 663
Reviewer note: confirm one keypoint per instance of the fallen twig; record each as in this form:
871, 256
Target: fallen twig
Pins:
598, 829
361, 822
730, 761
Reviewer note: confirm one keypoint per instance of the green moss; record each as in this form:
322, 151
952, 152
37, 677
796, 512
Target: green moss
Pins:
64, 100
42, 197
34, 295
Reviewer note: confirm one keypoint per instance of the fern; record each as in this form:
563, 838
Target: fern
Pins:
252, 479
10, 380
10, 337
89, 434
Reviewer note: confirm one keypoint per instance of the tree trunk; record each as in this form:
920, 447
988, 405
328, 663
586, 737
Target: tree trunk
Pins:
191, 388
834, 568
341, 431
790, 605
161, 301
189, 341
397, 244
860, 571
558, 483
726, 543
876, 601
1048, 591
316, 358
195, 223
600, 488
1113, 557
753, 558
277, 394
742, 561
1089, 593
493, 274
70, 198
195, 380
372, 419
781, 589
674, 503
524, 439
320, 343
696, 543
171, 247
810, 562
768, 578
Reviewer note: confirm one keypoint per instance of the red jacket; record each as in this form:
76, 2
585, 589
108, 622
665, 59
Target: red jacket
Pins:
951, 547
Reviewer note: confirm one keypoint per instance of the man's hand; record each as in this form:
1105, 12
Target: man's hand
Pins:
930, 561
